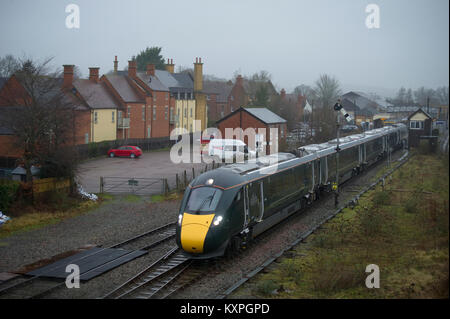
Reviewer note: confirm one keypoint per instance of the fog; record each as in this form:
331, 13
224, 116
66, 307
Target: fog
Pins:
295, 41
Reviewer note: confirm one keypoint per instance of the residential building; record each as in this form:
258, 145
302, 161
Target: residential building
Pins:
262, 120
102, 105
133, 115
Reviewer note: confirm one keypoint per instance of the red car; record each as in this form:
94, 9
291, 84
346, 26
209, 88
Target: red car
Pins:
127, 151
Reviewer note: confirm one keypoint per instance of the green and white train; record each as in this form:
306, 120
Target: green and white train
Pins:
224, 208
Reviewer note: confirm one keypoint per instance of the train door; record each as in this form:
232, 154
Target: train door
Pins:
246, 207
255, 200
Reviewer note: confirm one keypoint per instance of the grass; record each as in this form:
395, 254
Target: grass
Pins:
48, 210
404, 229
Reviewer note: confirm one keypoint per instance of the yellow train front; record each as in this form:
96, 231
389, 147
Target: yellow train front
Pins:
205, 220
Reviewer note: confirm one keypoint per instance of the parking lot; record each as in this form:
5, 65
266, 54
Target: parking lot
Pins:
155, 164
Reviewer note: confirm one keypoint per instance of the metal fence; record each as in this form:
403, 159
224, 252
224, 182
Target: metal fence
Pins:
153, 186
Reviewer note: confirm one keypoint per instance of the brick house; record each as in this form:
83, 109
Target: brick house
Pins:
133, 115
100, 122
261, 120
217, 93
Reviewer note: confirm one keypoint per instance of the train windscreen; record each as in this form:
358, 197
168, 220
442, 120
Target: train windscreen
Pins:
203, 199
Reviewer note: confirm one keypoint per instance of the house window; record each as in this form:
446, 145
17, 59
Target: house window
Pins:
185, 112
129, 111
166, 112
119, 115
416, 125
95, 118
112, 117
282, 131
191, 112
86, 138
171, 114
154, 97
143, 112
148, 131
167, 96
154, 113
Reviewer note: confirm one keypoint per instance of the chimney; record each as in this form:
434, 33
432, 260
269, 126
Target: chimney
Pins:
198, 75
170, 67
68, 75
116, 64
93, 74
132, 65
151, 69
239, 80
282, 94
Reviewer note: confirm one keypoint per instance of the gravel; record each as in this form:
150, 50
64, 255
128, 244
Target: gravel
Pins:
118, 220
112, 222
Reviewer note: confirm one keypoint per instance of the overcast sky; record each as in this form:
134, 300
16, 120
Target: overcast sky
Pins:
295, 41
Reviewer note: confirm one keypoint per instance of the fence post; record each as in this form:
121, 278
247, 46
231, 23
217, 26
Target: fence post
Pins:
185, 178
177, 183
193, 173
101, 184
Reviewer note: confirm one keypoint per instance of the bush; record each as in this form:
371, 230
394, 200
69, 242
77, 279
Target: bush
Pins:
8, 192
381, 198
267, 287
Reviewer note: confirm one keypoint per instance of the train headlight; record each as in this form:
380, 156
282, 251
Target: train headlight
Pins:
217, 220
180, 219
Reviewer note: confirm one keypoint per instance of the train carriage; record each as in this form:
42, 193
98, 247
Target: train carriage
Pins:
222, 209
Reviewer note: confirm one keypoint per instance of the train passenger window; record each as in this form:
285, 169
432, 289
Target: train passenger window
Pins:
203, 199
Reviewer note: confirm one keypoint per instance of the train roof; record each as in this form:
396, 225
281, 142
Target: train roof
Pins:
237, 174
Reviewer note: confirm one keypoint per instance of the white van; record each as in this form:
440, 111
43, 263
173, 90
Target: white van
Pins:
228, 149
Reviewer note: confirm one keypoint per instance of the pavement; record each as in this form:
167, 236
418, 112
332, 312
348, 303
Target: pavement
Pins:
154, 164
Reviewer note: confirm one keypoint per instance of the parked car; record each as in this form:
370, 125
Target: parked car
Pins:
227, 149
126, 151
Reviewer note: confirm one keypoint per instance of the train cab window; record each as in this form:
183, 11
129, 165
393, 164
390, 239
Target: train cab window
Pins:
203, 199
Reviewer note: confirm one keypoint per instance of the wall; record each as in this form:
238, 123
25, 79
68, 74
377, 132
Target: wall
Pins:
183, 121
105, 129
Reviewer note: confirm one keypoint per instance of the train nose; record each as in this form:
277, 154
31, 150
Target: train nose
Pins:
193, 232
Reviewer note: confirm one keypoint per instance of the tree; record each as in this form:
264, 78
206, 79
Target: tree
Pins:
442, 95
8, 65
262, 96
327, 91
43, 121
150, 56
306, 91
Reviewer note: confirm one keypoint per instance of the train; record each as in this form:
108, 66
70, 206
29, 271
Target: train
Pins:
223, 209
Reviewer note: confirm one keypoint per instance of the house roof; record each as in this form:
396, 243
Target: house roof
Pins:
221, 88
95, 94
348, 105
122, 85
265, 115
419, 110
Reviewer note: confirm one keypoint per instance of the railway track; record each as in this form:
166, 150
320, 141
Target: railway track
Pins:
402, 160
37, 286
159, 280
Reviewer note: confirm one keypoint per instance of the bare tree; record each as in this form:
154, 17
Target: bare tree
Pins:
43, 120
327, 91
8, 65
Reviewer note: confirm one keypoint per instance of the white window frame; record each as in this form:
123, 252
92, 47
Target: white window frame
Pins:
416, 125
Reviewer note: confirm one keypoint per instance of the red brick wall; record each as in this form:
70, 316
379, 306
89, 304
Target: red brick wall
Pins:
8, 147
160, 126
237, 97
244, 120
82, 126
13, 93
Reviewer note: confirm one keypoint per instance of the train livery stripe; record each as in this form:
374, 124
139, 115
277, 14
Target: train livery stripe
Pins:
193, 232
